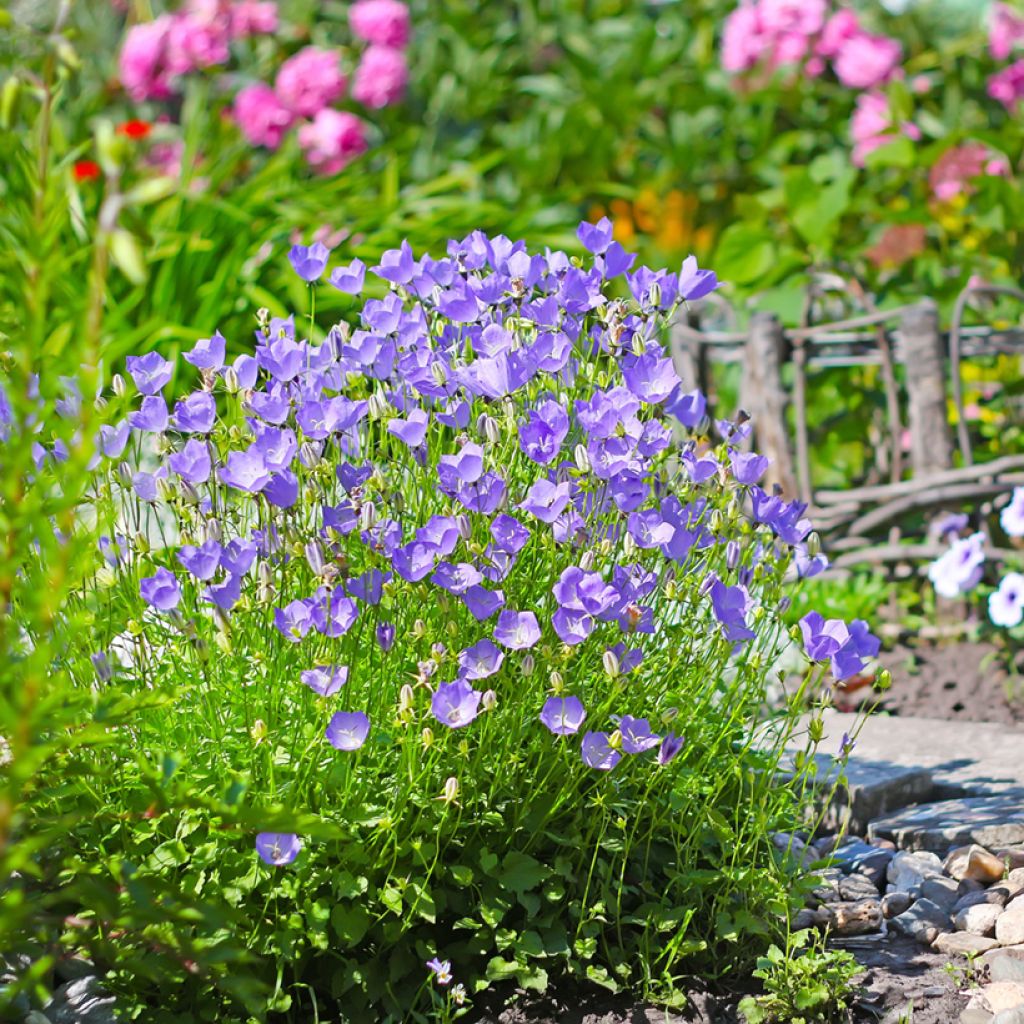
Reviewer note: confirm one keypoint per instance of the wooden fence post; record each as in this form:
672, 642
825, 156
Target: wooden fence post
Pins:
765, 396
688, 354
931, 443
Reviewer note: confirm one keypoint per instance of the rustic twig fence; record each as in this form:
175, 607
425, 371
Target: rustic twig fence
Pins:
909, 336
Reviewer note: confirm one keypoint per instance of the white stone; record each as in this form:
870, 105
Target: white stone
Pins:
979, 919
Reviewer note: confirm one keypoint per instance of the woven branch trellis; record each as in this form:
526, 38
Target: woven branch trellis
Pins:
932, 360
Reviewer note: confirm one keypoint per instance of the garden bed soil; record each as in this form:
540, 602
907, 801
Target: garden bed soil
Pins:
965, 681
898, 973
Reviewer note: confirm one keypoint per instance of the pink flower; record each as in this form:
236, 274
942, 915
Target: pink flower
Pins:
954, 171
1005, 30
865, 61
310, 81
196, 41
381, 77
1008, 85
381, 22
261, 116
332, 140
802, 17
141, 60
841, 27
872, 126
743, 43
252, 18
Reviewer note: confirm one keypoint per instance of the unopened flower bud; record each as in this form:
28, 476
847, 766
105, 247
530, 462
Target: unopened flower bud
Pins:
654, 294
582, 458
464, 526
376, 406
704, 426
629, 545
605, 547
427, 736
310, 454
405, 698
141, 543
188, 493
124, 471
527, 665
223, 641
118, 386
610, 660
883, 681
100, 662
451, 790
489, 701
671, 590
314, 557
263, 319
439, 373
615, 740
813, 544
587, 560
707, 583
231, 381
732, 554
556, 681
419, 629
368, 516
637, 344
258, 732
715, 521
669, 715
105, 576
438, 651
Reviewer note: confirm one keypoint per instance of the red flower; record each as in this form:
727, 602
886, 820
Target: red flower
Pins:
86, 170
134, 129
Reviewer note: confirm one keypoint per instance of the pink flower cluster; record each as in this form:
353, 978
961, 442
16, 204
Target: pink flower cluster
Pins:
786, 33
872, 126
156, 54
309, 84
307, 87
954, 171
1005, 32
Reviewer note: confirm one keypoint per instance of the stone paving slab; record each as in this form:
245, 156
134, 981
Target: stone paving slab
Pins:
990, 821
964, 758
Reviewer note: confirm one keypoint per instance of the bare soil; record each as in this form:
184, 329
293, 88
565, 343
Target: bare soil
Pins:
967, 681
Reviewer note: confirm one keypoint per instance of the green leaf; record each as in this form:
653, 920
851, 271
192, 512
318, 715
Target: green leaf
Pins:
350, 923
744, 254
127, 254
520, 872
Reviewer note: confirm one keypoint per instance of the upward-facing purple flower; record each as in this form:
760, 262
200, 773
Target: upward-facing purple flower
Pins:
413, 561
161, 590
245, 471
649, 377
517, 631
397, 265
150, 372
509, 534
695, 283
546, 500
349, 279
347, 730
595, 238
636, 735
1012, 517
325, 680
294, 620
152, 415
483, 603
960, 568
597, 752
465, 467
648, 529
192, 463
456, 579
670, 747
278, 848
688, 407
207, 353
542, 436
730, 605
195, 414
481, 660
114, 438
563, 715
412, 430
309, 262
203, 561
282, 358
455, 704
748, 467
